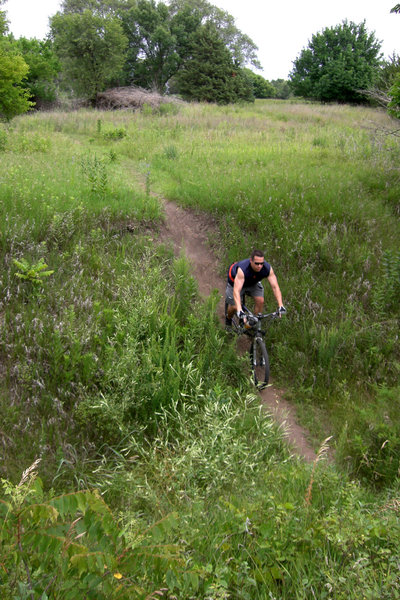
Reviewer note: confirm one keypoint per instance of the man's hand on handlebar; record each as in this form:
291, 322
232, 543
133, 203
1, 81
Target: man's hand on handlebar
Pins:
241, 316
281, 311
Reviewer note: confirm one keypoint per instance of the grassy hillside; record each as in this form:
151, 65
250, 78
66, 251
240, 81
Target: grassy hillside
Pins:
119, 379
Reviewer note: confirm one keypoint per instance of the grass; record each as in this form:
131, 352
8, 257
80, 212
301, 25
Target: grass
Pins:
118, 378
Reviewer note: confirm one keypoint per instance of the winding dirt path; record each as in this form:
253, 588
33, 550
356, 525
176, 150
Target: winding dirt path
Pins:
189, 233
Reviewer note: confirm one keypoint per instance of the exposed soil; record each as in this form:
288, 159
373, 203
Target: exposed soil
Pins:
189, 233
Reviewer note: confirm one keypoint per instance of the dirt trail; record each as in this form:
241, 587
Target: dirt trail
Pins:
189, 232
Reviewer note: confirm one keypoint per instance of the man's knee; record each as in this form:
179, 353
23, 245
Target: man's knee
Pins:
259, 303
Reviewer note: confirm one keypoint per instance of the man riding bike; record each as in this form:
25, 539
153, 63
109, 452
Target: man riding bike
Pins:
244, 277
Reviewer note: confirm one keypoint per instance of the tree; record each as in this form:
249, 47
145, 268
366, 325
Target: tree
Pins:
152, 57
338, 63
161, 39
210, 75
390, 68
3, 20
14, 99
43, 69
282, 89
243, 50
394, 91
91, 48
394, 94
98, 7
261, 87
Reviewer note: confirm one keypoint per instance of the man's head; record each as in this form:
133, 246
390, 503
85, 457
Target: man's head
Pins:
257, 260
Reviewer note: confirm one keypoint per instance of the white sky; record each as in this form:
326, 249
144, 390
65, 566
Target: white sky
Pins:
280, 28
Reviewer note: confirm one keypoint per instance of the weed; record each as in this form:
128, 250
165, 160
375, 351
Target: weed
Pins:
386, 296
3, 139
171, 152
321, 454
148, 183
33, 274
115, 134
32, 144
112, 155
95, 171
147, 110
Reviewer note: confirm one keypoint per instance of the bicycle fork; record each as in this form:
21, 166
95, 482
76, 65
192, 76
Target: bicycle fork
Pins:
258, 358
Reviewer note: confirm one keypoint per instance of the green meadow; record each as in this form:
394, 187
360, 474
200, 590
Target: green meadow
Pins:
122, 381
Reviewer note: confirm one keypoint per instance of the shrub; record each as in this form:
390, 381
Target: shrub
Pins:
115, 134
70, 546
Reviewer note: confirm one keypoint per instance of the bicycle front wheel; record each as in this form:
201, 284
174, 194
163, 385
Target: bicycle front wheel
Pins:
259, 362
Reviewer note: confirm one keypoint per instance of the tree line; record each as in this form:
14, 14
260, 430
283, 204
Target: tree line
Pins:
185, 47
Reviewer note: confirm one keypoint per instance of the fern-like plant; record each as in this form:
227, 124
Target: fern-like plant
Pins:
32, 272
70, 547
387, 293
95, 172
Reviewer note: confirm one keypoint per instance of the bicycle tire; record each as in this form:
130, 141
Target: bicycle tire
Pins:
259, 362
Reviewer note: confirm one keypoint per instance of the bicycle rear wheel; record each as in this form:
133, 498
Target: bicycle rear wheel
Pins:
259, 362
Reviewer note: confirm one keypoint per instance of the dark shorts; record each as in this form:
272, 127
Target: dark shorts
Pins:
255, 291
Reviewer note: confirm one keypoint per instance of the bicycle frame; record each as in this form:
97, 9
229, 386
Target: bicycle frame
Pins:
254, 329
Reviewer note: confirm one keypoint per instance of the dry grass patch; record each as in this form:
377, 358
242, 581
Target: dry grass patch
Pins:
131, 98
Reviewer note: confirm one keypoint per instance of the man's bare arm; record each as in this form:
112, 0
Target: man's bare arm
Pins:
275, 287
237, 288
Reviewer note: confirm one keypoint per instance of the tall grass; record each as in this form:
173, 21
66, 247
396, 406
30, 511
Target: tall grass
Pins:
317, 187
118, 378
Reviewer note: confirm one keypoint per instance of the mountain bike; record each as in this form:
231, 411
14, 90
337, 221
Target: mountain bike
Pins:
253, 328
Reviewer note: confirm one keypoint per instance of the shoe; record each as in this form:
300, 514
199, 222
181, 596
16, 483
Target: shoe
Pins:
228, 324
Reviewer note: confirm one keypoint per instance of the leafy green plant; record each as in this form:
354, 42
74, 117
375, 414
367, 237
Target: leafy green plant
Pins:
71, 545
95, 171
115, 134
386, 297
3, 139
112, 155
33, 273
394, 94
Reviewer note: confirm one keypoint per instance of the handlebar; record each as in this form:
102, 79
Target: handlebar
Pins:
252, 320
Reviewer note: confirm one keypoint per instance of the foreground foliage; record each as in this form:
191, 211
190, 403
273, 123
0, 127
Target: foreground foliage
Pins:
274, 541
70, 545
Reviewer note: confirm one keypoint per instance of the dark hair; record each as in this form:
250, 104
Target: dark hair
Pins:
257, 253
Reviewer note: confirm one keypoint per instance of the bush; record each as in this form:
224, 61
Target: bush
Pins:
394, 94
71, 546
